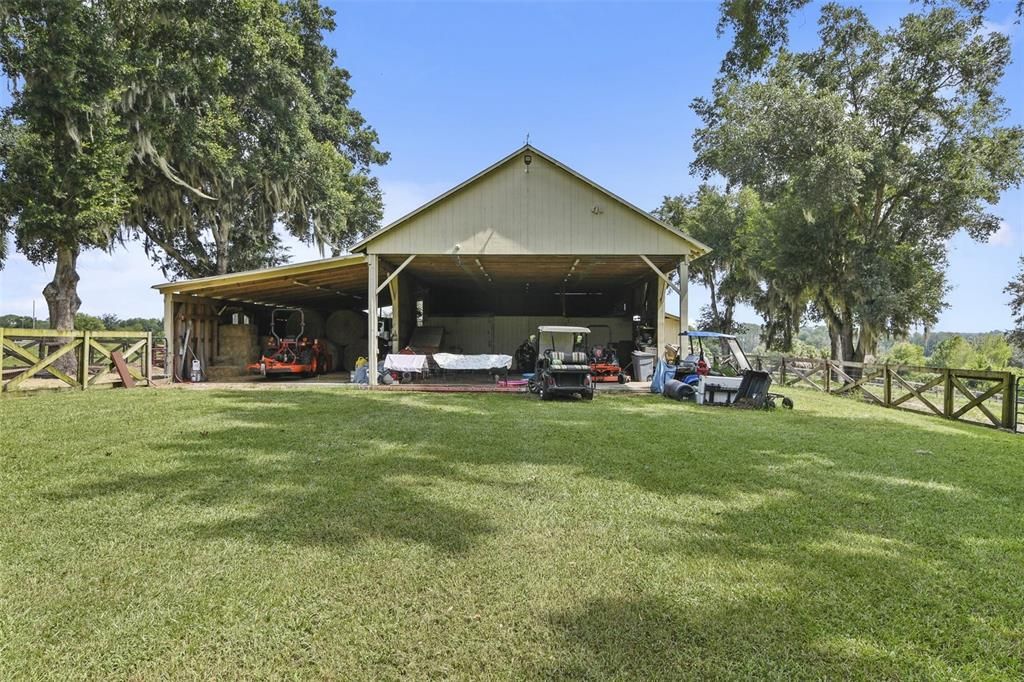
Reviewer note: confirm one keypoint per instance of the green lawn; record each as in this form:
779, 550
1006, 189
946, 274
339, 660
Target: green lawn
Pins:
354, 535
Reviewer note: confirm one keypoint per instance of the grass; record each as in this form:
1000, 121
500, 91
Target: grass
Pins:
353, 535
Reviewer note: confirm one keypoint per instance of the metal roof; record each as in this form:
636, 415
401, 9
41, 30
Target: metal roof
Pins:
320, 279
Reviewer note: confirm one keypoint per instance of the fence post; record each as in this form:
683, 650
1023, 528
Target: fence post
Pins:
1009, 402
782, 371
827, 364
947, 393
83, 361
887, 390
147, 365
3, 352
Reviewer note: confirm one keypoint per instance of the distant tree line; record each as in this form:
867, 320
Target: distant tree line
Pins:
84, 322
988, 350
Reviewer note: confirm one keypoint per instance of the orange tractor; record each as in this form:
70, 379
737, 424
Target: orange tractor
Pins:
291, 356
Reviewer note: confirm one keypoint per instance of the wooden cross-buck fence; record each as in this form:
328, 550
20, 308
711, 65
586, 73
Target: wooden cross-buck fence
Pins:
982, 396
33, 359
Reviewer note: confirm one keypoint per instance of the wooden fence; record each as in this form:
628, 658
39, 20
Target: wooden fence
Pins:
981, 396
28, 358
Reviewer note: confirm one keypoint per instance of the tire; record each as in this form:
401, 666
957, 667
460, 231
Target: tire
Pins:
546, 395
587, 395
622, 378
787, 403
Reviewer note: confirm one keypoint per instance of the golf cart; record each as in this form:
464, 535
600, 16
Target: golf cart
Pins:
563, 367
716, 372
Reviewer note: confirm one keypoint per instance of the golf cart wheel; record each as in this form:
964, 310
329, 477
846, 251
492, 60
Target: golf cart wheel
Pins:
587, 395
533, 386
622, 378
787, 403
545, 395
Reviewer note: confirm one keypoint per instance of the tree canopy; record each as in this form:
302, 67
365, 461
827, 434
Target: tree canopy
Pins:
760, 28
724, 222
1015, 289
199, 127
869, 152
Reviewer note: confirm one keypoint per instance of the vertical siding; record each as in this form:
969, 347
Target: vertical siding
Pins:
544, 211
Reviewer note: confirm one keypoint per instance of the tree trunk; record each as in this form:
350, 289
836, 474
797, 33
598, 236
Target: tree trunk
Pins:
222, 239
849, 348
61, 294
62, 300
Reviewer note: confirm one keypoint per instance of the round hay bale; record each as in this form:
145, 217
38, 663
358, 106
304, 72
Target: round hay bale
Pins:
332, 350
314, 324
346, 327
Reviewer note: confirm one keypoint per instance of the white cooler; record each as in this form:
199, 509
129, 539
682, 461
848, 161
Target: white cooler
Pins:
717, 390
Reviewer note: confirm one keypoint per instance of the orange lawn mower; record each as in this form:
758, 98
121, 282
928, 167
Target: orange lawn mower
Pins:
291, 356
604, 365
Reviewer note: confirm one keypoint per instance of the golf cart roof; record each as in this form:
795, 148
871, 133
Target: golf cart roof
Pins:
559, 328
708, 335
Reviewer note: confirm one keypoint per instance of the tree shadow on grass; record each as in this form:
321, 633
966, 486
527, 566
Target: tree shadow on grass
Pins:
256, 483
863, 546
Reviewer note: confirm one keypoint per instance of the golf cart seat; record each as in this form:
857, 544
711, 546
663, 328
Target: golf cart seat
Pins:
575, 361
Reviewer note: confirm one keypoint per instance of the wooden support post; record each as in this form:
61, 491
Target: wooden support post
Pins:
782, 371
887, 385
372, 261
660, 323
661, 275
172, 345
947, 393
394, 274
828, 375
396, 323
84, 356
684, 296
1009, 402
148, 361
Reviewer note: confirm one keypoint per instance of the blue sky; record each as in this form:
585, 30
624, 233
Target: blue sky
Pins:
604, 87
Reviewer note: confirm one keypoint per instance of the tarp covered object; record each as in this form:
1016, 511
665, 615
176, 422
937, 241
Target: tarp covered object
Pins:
397, 362
481, 361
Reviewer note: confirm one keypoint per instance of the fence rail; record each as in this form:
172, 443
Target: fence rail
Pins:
39, 359
981, 396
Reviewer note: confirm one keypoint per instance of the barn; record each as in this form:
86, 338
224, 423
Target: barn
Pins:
526, 241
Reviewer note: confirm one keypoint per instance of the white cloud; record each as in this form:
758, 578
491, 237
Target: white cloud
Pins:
1003, 236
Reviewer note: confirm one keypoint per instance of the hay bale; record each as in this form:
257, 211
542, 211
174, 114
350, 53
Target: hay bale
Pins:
335, 354
346, 327
238, 344
314, 324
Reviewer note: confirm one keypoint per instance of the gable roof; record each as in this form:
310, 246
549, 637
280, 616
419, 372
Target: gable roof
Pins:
694, 244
